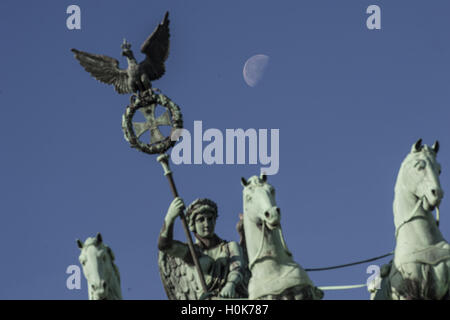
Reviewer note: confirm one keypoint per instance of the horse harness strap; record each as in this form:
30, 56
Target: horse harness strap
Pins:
413, 215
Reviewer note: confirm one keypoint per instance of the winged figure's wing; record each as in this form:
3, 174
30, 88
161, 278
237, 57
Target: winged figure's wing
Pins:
156, 48
178, 278
104, 69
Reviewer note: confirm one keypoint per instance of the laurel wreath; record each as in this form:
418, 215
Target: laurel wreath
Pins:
146, 99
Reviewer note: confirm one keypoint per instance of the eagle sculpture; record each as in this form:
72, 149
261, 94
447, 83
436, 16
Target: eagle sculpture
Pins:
138, 77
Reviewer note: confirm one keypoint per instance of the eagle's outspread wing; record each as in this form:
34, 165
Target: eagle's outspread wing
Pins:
104, 69
156, 48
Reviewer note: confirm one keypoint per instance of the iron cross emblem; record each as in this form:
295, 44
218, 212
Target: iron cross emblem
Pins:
152, 124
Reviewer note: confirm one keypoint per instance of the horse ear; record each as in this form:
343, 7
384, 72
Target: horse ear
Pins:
98, 238
264, 177
79, 244
244, 182
417, 146
435, 147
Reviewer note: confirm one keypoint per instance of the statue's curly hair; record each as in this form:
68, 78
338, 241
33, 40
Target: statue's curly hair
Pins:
196, 207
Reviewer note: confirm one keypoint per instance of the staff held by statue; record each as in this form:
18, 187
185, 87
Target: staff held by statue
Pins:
137, 79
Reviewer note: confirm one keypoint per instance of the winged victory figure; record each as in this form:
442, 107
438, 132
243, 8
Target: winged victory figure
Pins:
137, 77
223, 262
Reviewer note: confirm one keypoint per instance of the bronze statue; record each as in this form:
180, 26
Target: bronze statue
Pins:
222, 262
138, 77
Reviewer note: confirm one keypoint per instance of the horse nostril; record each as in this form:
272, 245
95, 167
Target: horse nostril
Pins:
92, 287
433, 192
278, 210
104, 284
267, 214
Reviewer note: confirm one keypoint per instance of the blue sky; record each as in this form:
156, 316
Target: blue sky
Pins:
349, 102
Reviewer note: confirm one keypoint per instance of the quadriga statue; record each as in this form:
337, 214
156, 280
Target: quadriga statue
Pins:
262, 268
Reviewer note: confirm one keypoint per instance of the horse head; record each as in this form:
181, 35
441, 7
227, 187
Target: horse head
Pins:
97, 260
419, 175
273, 270
259, 202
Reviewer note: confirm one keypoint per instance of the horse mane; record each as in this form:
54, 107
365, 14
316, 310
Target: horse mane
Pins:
240, 231
111, 256
252, 181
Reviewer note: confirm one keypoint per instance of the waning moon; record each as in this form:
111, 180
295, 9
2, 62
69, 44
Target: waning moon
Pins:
254, 69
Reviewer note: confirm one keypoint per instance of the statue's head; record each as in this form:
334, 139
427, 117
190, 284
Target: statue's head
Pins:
97, 260
201, 216
126, 49
419, 175
259, 201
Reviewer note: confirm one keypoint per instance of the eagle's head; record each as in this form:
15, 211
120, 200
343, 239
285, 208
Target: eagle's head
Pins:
126, 49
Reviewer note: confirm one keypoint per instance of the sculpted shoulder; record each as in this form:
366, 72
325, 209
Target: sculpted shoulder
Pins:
234, 248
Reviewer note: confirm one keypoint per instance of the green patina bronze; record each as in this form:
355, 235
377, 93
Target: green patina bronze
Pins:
222, 262
274, 273
421, 265
261, 267
101, 273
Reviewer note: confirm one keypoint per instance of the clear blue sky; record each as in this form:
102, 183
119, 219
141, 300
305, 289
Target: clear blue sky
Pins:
349, 103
